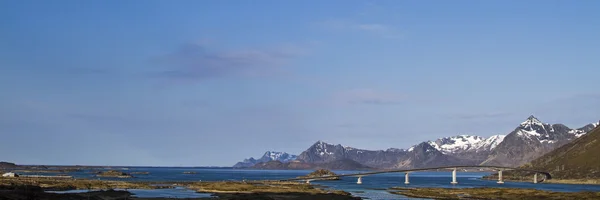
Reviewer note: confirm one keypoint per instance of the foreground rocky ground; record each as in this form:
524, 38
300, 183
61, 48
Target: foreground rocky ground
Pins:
528, 177
35, 188
492, 193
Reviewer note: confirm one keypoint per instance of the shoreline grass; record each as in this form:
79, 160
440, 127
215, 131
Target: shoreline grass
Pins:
491, 193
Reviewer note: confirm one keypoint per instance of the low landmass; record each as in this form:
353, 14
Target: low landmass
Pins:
48, 170
268, 190
37, 188
26, 192
491, 193
62, 184
7, 165
321, 173
114, 174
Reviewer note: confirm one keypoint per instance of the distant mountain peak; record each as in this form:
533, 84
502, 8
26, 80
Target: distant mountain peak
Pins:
321, 142
267, 156
532, 120
281, 156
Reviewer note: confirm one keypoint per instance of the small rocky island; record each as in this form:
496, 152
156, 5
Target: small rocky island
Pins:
114, 174
322, 173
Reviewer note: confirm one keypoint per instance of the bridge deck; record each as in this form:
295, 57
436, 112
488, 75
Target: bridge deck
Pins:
546, 174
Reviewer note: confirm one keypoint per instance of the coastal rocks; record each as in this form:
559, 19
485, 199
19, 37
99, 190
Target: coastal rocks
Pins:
114, 174
322, 173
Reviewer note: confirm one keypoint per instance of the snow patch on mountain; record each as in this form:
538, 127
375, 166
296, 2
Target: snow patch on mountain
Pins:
460, 143
577, 133
492, 142
528, 133
280, 156
435, 145
532, 121
267, 156
321, 148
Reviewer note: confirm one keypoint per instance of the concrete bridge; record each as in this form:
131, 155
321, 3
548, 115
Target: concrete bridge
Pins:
499, 169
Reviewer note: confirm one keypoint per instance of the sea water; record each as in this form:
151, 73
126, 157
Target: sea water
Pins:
372, 187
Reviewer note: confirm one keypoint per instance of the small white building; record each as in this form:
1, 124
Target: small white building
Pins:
10, 174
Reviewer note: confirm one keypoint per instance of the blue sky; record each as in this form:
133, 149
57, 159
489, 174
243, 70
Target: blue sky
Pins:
212, 82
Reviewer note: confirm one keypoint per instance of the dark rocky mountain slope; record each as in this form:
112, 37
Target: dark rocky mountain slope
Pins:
343, 164
530, 140
579, 159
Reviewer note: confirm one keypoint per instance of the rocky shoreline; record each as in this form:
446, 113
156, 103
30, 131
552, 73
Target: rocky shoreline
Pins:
39, 188
491, 193
321, 173
528, 177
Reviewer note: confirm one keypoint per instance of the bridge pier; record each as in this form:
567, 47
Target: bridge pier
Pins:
500, 177
359, 180
454, 177
535, 178
406, 178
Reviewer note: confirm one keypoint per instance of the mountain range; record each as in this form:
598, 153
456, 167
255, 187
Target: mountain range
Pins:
268, 156
529, 140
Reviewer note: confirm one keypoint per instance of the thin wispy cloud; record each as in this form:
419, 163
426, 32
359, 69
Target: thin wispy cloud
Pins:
377, 29
369, 97
194, 61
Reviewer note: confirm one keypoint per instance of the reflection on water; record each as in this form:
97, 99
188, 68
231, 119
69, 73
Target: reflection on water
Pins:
373, 187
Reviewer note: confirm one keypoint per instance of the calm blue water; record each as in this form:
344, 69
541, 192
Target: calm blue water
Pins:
371, 187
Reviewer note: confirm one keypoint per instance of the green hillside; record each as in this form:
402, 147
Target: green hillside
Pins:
579, 159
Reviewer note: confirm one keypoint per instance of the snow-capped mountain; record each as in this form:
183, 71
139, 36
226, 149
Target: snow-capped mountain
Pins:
531, 139
523, 144
280, 156
492, 142
268, 156
534, 129
470, 149
458, 143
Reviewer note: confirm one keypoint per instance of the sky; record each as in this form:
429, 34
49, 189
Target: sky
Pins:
209, 83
